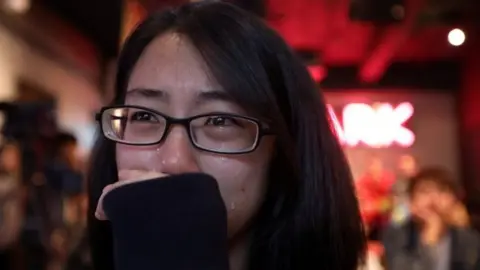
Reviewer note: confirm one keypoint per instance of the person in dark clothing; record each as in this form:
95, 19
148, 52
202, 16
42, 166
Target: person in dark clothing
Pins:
47, 230
80, 258
209, 88
11, 211
66, 180
436, 237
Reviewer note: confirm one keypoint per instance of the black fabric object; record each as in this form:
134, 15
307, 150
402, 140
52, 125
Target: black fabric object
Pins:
173, 223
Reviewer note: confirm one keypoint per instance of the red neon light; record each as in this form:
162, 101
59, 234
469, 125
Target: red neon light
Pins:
375, 126
317, 72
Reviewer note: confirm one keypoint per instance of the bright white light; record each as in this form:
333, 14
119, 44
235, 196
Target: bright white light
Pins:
456, 37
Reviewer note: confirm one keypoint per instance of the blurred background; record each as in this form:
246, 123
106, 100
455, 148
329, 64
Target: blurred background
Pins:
402, 79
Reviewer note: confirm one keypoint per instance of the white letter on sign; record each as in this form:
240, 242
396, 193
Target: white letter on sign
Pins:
381, 126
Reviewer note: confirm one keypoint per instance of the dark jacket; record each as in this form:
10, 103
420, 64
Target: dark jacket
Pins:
403, 249
176, 223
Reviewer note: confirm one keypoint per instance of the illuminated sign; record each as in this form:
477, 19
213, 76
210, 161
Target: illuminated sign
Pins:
380, 125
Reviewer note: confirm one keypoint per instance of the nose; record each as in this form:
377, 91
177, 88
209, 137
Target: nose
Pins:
176, 153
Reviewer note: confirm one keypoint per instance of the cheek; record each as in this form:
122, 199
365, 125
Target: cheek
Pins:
446, 200
242, 183
236, 178
420, 201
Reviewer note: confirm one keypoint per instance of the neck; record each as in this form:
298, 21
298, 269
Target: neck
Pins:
238, 253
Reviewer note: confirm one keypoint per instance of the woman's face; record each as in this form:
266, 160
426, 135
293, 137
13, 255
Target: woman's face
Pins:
179, 85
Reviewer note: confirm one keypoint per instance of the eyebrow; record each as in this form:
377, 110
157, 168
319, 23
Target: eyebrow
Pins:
149, 93
213, 95
201, 98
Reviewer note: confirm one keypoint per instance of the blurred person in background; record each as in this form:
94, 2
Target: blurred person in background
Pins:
407, 167
374, 191
79, 257
375, 250
11, 214
436, 237
52, 220
65, 181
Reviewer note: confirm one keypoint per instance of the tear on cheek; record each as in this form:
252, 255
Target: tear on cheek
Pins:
232, 206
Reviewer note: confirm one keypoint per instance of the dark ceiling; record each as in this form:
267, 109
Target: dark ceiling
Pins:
98, 20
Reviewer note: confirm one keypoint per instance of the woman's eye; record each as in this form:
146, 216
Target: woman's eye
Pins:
143, 116
221, 121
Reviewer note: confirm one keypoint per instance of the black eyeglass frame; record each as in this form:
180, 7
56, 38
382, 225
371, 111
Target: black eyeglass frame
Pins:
263, 128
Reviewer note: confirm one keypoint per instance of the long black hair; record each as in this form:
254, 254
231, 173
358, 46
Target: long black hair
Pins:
309, 218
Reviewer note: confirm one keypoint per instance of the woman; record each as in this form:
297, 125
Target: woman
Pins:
437, 232
281, 173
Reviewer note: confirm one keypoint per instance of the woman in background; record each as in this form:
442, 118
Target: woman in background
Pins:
436, 236
242, 107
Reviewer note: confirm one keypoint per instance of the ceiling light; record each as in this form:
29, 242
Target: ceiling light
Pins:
456, 37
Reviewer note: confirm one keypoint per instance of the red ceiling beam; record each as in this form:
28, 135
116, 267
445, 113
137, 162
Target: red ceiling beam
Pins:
381, 56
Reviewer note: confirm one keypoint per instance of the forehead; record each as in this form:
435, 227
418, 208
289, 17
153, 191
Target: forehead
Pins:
429, 185
171, 62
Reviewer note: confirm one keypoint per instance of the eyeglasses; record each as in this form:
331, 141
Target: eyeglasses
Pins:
215, 132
